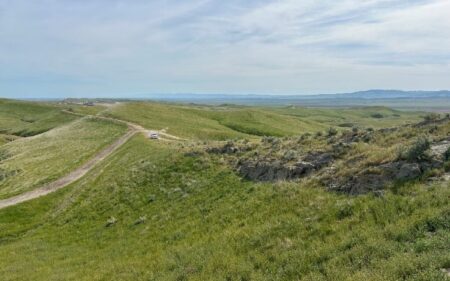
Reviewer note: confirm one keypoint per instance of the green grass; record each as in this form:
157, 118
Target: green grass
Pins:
34, 161
225, 122
83, 109
30, 118
358, 116
183, 121
4, 139
262, 122
205, 223
181, 217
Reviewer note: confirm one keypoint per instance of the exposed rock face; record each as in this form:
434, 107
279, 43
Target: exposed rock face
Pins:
319, 159
438, 150
407, 171
274, 170
375, 178
327, 158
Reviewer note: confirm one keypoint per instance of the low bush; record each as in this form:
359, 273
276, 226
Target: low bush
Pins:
377, 115
432, 117
290, 155
416, 151
332, 132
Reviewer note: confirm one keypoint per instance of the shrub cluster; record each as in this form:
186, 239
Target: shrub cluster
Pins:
432, 117
416, 151
377, 115
332, 132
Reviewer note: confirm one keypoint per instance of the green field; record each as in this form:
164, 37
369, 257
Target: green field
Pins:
225, 122
28, 118
184, 218
32, 162
167, 210
375, 117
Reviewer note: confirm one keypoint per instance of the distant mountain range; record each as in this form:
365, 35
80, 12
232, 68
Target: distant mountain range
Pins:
390, 94
409, 100
366, 95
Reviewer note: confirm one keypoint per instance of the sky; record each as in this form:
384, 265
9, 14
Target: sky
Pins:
136, 48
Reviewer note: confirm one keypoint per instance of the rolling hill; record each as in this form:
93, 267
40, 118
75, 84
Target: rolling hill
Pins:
177, 210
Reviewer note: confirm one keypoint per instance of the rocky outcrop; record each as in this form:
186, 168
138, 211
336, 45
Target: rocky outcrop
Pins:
440, 150
377, 177
432, 119
229, 148
374, 178
406, 171
275, 170
343, 160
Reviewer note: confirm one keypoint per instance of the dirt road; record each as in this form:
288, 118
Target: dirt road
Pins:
70, 178
83, 170
135, 126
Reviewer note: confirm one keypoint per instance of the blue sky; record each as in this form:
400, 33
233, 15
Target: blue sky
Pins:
107, 48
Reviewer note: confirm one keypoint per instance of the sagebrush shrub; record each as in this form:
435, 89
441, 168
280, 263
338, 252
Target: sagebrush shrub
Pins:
332, 132
416, 151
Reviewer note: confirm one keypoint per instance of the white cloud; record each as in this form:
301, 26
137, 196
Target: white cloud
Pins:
283, 46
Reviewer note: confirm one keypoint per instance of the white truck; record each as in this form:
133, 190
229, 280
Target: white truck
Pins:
153, 135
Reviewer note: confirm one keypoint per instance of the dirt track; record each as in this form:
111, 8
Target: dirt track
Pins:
134, 126
83, 170
70, 178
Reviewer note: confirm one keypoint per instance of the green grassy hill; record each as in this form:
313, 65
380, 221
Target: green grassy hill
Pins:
375, 117
190, 218
30, 118
224, 122
31, 162
166, 210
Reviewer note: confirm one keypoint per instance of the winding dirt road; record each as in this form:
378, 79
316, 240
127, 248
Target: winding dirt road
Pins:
131, 125
83, 170
70, 178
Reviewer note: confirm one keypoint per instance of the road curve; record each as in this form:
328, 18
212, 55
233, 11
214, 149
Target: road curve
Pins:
72, 176
135, 126
83, 170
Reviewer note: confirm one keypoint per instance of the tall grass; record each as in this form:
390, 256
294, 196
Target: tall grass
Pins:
204, 223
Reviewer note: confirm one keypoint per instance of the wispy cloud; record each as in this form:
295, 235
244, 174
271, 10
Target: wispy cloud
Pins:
100, 47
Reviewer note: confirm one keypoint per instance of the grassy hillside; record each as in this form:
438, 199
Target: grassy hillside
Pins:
160, 210
30, 162
261, 122
30, 118
224, 122
178, 217
183, 121
4, 139
83, 109
375, 117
